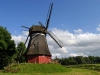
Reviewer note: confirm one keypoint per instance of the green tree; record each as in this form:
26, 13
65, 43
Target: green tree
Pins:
92, 59
80, 59
20, 50
7, 47
72, 61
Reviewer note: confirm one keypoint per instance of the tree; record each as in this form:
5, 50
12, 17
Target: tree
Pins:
7, 47
20, 50
80, 59
92, 59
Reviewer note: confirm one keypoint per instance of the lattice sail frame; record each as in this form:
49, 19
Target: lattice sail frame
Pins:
58, 41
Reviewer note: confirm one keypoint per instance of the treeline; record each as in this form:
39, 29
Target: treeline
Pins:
79, 60
8, 51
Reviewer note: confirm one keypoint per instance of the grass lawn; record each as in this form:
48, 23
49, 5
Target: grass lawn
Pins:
74, 71
49, 69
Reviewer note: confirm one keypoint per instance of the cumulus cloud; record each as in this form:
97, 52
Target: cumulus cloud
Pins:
80, 54
20, 38
78, 31
77, 43
98, 29
74, 44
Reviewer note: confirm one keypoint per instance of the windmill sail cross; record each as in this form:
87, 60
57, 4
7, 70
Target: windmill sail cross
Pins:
59, 42
37, 49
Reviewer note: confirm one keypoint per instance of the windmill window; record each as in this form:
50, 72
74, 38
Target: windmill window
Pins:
34, 45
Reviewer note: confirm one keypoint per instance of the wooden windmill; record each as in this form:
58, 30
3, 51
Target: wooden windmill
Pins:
37, 49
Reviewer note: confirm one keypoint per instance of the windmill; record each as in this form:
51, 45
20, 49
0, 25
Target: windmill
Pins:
37, 49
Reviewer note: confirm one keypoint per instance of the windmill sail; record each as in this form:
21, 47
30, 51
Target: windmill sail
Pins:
25, 27
41, 24
59, 42
49, 15
26, 39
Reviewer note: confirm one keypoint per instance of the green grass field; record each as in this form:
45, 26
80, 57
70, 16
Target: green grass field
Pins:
48, 69
74, 71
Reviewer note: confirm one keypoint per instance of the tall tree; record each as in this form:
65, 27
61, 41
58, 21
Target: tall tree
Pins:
21, 48
80, 59
7, 47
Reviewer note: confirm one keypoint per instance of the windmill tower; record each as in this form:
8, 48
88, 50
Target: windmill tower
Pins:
37, 49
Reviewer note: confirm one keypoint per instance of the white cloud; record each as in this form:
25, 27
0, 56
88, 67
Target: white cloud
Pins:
73, 54
62, 25
77, 44
78, 31
59, 52
20, 38
73, 44
80, 54
98, 29
25, 33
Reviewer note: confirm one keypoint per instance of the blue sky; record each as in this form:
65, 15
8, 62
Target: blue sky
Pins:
77, 22
72, 14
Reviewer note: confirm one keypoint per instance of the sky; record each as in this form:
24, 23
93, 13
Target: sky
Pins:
75, 22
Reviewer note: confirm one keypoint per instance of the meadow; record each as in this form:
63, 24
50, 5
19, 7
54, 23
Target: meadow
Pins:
47, 69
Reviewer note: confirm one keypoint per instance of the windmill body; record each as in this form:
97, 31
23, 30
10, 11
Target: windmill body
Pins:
37, 49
